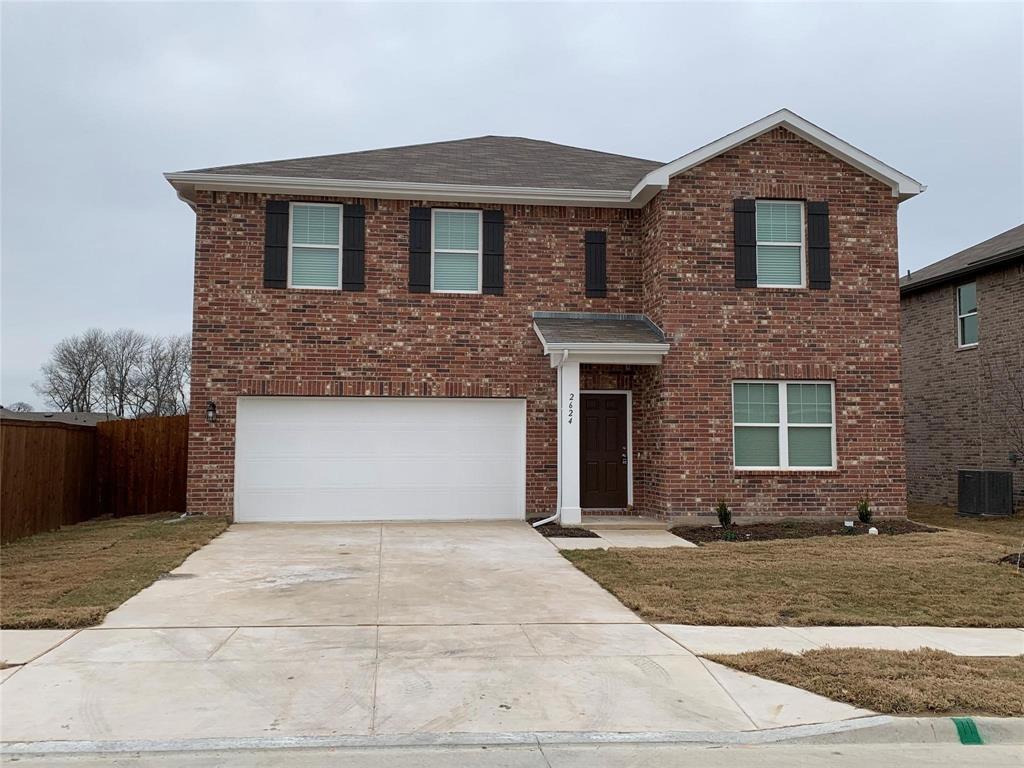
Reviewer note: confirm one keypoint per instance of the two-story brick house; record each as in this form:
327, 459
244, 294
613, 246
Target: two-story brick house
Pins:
963, 367
499, 327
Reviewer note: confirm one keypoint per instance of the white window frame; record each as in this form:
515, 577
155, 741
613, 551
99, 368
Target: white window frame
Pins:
961, 315
803, 242
783, 426
291, 238
479, 249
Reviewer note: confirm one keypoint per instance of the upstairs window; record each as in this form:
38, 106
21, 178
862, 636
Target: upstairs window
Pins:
967, 315
780, 244
314, 247
783, 425
455, 251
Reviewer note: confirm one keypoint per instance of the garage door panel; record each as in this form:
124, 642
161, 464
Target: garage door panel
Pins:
361, 472
355, 444
323, 459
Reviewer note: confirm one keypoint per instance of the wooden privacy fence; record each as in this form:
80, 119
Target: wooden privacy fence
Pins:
47, 476
141, 465
54, 474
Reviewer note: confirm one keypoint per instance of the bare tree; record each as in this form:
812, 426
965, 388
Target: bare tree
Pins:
122, 358
1004, 374
73, 377
20, 407
123, 372
161, 388
179, 349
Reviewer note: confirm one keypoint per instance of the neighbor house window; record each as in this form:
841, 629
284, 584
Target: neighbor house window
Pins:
314, 253
780, 243
967, 315
783, 425
455, 251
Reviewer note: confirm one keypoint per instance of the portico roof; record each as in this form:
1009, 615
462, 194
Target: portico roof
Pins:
598, 337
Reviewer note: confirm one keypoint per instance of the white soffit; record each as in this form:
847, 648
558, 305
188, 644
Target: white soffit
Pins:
903, 186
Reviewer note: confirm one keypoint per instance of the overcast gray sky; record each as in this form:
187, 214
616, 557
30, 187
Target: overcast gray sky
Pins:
99, 100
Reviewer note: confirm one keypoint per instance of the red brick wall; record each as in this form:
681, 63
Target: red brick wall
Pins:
957, 416
672, 260
849, 335
385, 341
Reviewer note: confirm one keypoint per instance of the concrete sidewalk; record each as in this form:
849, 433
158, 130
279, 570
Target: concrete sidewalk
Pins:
960, 641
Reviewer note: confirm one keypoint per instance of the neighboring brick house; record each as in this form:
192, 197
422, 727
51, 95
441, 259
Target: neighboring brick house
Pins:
962, 322
499, 327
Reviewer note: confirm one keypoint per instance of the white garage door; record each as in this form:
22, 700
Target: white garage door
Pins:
342, 459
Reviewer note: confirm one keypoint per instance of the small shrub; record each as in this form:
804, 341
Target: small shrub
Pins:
864, 512
729, 536
724, 514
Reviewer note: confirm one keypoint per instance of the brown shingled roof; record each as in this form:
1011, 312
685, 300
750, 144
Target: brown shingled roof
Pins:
1002, 247
505, 161
559, 328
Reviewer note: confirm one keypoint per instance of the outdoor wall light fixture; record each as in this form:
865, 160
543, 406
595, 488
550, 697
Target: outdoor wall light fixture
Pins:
211, 412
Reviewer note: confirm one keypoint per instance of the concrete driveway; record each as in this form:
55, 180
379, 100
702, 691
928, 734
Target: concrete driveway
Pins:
366, 629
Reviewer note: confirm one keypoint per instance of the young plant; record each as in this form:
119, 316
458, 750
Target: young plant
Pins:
864, 512
724, 514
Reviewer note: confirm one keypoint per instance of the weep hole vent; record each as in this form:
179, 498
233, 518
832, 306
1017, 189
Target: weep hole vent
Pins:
984, 492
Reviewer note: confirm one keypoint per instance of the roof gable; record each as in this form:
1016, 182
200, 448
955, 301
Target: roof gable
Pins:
902, 186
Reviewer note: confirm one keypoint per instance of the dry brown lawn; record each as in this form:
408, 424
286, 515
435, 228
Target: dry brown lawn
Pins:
923, 682
73, 577
947, 579
1007, 529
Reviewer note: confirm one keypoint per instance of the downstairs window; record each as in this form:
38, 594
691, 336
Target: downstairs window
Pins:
783, 425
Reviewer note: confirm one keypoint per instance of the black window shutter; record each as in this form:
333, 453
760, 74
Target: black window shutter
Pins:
494, 253
275, 245
818, 253
419, 250
353, 244
595, 248
744, 213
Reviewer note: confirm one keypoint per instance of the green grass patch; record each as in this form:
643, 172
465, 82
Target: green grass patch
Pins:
949, 578
75, 576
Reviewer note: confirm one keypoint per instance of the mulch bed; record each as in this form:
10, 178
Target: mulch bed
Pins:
1015, 559
550, 530
795, 530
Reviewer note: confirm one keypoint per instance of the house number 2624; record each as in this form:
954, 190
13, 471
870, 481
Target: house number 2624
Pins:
572, 404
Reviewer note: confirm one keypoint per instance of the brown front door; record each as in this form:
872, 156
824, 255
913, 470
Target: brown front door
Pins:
603, 451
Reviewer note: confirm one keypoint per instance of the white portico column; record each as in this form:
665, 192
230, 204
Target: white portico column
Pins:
569, 442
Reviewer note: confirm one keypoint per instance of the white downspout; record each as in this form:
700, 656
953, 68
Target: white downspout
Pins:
558, 413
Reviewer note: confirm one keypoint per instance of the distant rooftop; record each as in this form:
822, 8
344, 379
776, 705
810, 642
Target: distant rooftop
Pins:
56, 417
996, 250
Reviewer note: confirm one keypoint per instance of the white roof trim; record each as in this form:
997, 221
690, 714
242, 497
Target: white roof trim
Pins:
621, 353
903, 186
187, 183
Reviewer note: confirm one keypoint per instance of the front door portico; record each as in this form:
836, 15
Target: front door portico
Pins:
572, 338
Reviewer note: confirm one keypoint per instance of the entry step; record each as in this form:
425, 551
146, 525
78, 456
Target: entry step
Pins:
621, 522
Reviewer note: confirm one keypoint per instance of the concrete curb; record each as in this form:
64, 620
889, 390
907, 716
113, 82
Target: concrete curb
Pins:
924, 730
880, 729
